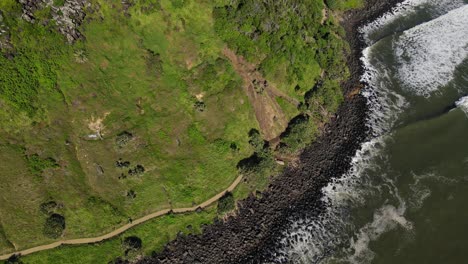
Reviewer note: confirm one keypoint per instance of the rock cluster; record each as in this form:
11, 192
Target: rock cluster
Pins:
126, 4
29, 7
4, 35
68, 17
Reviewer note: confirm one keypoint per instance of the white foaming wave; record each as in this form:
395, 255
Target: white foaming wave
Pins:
405, 9
419, 194
311, 240
429, 53
462, 103
386, 218
420, 191
384, 104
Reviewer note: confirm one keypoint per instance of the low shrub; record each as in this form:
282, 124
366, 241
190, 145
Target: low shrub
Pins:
123, 138
226, 203
54, 226
137, 170
37, 165
14, 259
132, 243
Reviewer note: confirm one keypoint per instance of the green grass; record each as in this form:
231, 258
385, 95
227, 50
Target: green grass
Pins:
136, 77
289, 109
344, 4
147, 74
154, 235
37, 165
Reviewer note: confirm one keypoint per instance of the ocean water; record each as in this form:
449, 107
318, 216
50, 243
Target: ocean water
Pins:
405, 200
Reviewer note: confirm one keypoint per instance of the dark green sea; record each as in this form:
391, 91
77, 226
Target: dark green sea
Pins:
405, 200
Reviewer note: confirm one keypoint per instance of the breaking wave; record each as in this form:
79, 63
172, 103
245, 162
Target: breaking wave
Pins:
463, 104
428, 54
406, 9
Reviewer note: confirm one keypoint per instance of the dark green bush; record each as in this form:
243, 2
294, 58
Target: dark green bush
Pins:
131, 194
199, 106
122, 164
226, 203
259, 145
14, 259
37, 164
137, 170
300, 132
19, 83
132, 243
332, 4
54, 226
261, 160
29, 73
272, 33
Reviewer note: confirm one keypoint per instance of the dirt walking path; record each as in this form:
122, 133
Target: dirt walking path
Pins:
125, 227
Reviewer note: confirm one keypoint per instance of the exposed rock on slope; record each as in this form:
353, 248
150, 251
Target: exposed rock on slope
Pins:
67, 17
4, 35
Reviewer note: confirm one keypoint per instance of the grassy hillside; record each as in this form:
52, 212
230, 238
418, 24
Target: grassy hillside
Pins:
152, 104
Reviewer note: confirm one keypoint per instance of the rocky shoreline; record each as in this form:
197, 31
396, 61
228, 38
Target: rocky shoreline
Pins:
251, 236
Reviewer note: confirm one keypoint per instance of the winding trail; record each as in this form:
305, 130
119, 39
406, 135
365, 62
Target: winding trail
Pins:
124, 228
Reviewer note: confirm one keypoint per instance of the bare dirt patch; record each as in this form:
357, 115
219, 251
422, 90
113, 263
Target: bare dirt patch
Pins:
200, 96
96, 125
270, 116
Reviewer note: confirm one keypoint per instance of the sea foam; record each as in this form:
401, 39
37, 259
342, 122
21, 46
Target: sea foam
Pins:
429, 54
462, 103
386, 218
404, 9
